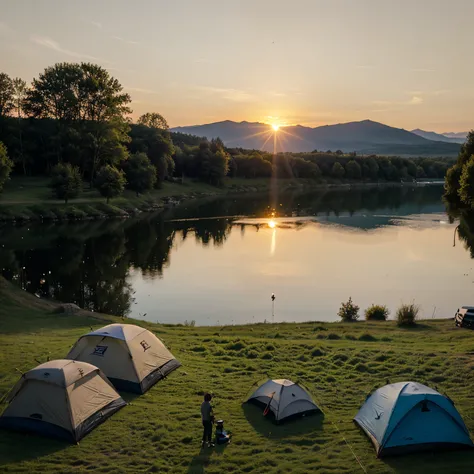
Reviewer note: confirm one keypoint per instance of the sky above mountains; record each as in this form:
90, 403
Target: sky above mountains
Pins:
310, 62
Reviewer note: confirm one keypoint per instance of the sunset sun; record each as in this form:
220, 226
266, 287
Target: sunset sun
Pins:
275, 127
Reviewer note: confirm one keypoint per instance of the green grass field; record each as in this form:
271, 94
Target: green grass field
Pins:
160, 431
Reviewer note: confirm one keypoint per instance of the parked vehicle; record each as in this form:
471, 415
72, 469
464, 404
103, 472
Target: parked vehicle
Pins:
465, 317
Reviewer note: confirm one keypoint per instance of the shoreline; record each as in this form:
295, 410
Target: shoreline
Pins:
49, 210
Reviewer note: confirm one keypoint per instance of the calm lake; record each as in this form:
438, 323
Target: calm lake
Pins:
218, 261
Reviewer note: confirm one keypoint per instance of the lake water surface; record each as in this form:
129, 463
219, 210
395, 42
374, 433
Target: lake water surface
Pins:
218, 261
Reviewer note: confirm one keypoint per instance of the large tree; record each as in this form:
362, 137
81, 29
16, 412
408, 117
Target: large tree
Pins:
56, 93
153, 120
140, 173
211, 162
157, 145
18, 97
338, 170
110, 182
66, 181
353, 170
6, 94
466, 183
86, 98
457, 172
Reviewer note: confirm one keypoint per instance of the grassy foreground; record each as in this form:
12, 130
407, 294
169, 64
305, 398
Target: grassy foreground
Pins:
160, 431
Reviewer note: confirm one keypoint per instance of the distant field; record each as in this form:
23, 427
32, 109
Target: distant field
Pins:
160, 431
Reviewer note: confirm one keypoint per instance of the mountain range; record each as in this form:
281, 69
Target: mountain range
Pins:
441, 137
365, 137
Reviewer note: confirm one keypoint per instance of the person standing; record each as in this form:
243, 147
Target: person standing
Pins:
207, 420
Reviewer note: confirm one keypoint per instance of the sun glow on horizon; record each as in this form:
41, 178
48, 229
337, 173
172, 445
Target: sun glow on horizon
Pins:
272, 224
275, 127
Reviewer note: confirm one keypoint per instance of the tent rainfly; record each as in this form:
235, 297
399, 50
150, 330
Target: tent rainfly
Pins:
408, 416
133, 358
61, 399
283, 398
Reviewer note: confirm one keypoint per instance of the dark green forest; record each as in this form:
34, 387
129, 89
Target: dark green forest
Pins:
72, 123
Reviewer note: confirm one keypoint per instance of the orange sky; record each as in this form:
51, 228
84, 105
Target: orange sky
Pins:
313, 62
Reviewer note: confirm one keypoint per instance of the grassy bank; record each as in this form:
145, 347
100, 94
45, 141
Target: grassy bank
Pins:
160, 431
31, 199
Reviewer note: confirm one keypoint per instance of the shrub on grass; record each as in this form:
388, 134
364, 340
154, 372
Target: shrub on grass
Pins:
407, 314
235, 346
349, 312
252, 354
377, 312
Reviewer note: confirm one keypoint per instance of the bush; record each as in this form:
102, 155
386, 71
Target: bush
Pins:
349, 311
407, 314
66, 181
377, 312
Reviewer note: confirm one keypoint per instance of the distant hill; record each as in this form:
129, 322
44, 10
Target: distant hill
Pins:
366, 137
461, 135
439, 137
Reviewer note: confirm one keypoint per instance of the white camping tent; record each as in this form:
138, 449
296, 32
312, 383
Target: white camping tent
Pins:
283, 398
131, 357
61, 398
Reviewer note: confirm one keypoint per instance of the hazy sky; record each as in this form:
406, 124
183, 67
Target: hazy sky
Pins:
407, 63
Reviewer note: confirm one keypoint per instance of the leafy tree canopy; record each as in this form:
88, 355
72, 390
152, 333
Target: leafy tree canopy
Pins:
110, 182
66, 181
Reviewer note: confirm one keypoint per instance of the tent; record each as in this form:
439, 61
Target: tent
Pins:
408, 416
131, 357
61, 398
283, 398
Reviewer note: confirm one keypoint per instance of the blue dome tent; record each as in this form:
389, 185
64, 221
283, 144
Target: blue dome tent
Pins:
408, 416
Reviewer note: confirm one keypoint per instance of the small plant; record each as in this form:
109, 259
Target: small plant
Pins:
349, 311
377, 312
407, 314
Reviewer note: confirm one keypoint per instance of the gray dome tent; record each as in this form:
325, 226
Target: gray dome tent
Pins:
132, 357
408, 416
283, 398
61, 399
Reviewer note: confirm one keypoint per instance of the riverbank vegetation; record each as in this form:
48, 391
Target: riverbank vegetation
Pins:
339, 363
459, 193
77, 116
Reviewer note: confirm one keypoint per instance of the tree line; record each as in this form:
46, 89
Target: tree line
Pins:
72, 123
459, 193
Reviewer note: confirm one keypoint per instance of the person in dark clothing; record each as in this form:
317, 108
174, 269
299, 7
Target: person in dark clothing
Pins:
207, 420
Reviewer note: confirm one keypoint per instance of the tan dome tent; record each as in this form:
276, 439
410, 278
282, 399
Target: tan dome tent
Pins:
131, 357
61, 398
283, 398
